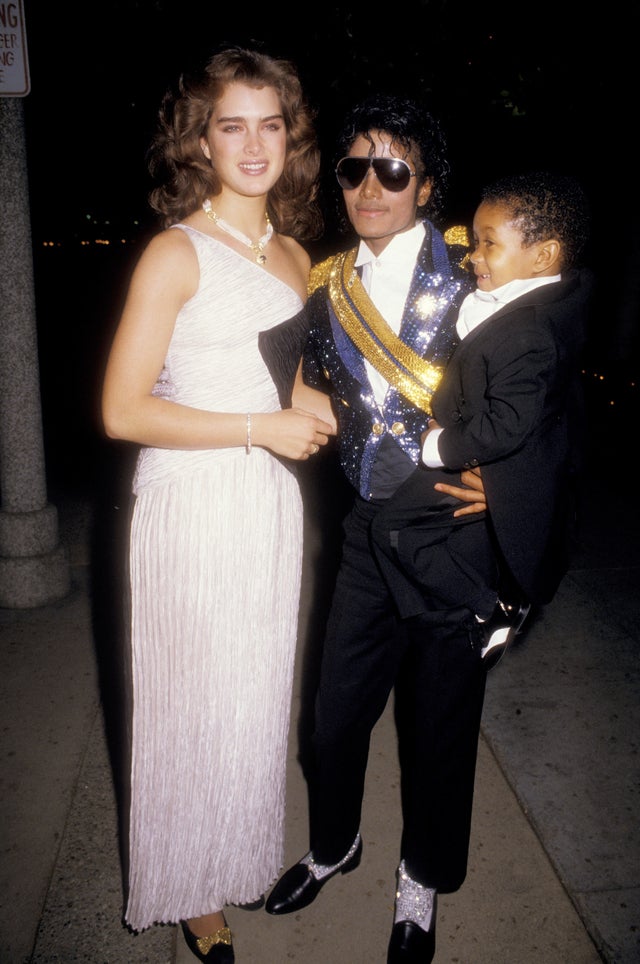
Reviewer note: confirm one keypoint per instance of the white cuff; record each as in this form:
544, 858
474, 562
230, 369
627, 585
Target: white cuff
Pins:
430, 454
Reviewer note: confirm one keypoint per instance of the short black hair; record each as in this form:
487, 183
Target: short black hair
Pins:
545, 205
410, 124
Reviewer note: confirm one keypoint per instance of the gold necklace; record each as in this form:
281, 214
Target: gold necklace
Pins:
256, 246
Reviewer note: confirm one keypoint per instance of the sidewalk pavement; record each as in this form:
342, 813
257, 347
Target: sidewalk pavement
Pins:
554, 874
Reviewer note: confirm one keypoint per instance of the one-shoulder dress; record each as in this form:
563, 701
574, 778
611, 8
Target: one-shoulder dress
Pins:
215, 569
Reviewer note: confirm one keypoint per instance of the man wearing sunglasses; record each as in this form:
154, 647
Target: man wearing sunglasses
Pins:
382, 327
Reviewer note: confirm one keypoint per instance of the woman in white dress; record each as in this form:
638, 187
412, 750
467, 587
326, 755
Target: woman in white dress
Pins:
216, 536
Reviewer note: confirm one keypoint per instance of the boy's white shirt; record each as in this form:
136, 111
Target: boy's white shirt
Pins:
476, 308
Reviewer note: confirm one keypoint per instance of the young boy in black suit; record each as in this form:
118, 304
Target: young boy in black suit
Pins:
509, 401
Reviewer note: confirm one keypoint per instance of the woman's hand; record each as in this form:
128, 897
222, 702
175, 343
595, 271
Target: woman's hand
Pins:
473, 494
292, 432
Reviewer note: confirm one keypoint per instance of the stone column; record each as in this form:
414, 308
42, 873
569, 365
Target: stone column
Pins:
34, 568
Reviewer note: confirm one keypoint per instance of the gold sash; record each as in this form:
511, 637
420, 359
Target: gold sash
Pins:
414, 377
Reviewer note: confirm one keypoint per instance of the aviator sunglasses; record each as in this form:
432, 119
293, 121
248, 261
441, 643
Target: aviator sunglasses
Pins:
393, 173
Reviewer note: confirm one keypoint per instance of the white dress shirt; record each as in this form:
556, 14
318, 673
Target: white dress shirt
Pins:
387, 279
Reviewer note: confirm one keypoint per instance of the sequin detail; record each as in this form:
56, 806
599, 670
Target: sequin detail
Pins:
412, 375
413, 901
437, 289
458, 234
222, 936
320, 871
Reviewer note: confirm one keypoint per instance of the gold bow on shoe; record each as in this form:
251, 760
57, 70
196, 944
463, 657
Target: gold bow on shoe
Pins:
222, 936
215, 948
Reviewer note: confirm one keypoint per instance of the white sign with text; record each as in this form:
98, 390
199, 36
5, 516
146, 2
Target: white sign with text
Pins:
14, 63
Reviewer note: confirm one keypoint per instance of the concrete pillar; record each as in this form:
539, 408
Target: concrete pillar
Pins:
34, 568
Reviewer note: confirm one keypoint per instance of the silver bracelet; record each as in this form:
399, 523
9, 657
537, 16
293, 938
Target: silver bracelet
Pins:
247, 447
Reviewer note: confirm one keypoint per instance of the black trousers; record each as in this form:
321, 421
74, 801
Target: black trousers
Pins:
439, 684
448, 562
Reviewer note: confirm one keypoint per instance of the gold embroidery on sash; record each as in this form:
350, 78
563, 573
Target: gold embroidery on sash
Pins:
319, 275
419, 379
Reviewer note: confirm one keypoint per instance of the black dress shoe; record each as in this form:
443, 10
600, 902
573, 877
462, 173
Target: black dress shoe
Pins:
214, 949
298, 887
500, 630
409, 944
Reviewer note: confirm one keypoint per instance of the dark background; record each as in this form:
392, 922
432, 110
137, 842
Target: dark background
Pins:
516, 87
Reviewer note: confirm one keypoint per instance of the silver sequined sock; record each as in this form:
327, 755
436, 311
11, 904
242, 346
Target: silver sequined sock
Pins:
413, 901
320, 871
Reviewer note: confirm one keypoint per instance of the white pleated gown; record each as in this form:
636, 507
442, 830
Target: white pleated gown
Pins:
216, 552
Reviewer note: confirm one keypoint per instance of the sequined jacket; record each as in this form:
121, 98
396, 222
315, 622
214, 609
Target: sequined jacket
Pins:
332, 362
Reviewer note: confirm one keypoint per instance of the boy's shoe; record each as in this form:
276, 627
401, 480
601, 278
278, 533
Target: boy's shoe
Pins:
500, 630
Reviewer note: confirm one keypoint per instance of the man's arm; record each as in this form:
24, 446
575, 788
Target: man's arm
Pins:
472, 494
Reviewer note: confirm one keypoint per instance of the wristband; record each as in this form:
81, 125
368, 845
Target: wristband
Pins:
247, 446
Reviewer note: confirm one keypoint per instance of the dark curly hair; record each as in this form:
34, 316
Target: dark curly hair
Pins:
185, 177
410, 125
545, 205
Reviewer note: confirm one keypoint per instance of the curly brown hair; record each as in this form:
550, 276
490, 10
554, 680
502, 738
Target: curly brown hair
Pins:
184, 176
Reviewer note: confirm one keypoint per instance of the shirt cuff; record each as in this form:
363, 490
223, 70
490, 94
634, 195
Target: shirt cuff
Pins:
430, 454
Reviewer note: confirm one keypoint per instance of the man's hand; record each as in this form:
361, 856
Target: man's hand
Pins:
472, 494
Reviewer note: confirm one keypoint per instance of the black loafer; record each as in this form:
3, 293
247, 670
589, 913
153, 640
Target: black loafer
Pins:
409, 944
298, 888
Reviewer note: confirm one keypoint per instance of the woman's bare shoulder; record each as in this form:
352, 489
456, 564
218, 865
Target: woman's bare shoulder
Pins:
169, 260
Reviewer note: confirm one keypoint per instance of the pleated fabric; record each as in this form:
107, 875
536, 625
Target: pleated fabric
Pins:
215, 559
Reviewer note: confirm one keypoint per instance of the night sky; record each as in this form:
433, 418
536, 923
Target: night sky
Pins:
534, 87
513, 90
